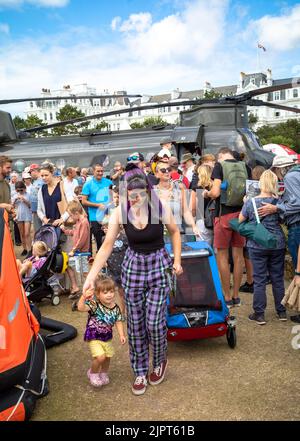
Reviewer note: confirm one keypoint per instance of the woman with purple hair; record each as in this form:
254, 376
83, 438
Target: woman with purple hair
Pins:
144, 273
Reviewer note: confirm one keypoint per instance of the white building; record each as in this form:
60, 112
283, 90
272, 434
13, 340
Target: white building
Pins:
46, 110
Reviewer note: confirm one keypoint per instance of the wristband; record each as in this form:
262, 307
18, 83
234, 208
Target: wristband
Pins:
297, 273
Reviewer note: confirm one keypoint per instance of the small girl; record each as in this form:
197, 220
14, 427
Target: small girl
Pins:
31, 265
103, 314
21, 201
81, 243
266, 261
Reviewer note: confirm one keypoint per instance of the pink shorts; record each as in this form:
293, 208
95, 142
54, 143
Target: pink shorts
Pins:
224, 236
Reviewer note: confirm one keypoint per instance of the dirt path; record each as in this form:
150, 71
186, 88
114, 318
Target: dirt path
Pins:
206, 380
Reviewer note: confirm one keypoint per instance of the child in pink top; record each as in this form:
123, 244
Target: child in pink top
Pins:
81, 239
31, 265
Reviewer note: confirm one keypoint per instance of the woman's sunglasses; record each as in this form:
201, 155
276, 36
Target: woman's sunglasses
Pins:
165, 170
141, 194
133, 158
20, 190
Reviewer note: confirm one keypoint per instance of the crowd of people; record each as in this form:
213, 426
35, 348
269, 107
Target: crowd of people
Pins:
131, 212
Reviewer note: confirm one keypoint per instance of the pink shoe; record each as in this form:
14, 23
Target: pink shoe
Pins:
94, 379
104, 378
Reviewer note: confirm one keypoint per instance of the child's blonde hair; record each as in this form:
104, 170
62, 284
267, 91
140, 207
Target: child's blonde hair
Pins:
74, 207
268, 182
104, 283
204, 176
41, 248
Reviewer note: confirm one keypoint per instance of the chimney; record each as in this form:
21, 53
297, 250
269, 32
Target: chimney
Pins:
175, 94
242, 78
269, 77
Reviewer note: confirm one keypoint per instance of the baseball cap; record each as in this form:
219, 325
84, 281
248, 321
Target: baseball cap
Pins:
282, 161
34, 167
166, 140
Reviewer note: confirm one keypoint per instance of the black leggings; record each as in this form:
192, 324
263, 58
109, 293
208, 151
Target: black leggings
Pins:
96, 229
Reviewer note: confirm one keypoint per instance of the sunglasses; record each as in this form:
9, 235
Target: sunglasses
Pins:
165, 170
141, 194
133, 158
20, 191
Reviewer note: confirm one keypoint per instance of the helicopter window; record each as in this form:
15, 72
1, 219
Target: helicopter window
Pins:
229, 138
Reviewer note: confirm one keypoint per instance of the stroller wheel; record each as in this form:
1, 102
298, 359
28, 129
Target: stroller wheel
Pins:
55, 300
231, 337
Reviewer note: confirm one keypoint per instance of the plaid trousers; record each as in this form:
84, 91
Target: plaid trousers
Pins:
146, 286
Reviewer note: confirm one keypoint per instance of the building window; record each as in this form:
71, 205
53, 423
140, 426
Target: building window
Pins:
51, 117
45, 116
31, 104
277, 95
118, 126
295, 93
277, 114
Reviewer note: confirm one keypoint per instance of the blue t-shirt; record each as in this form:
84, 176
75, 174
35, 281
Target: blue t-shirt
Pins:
36, 185
98, 193
270, 222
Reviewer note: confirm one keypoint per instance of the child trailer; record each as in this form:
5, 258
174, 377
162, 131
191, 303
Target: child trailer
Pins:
196, 307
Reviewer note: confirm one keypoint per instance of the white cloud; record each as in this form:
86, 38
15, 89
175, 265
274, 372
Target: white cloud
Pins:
42, 3
137, 22
279, 33
4, 28
115, 23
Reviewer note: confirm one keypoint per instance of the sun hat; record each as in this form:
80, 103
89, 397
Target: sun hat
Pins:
282, 161
26, 175
187, 157
164, 152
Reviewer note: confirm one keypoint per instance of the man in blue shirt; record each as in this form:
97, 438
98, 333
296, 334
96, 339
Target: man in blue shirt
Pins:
96, 196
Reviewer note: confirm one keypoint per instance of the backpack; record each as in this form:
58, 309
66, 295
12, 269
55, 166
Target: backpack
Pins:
235, 174
209, 214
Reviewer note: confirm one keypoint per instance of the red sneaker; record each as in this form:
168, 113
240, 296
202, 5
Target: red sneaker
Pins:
158, 374
140, 385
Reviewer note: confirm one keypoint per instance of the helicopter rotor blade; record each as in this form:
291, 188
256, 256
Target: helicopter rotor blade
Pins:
71, 97
117, 112
248, 95
271, 105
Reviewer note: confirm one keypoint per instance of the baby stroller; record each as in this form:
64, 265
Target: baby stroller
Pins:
197, 309
45, 283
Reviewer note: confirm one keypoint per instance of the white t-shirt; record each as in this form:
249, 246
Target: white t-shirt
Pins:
189, 173
69, 187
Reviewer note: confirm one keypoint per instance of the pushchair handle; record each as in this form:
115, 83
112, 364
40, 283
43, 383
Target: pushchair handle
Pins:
78, 253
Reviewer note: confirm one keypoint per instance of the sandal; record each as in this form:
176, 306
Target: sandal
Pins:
94, 379
74, 294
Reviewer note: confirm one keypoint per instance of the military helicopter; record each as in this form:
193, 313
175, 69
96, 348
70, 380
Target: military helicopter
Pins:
208, 126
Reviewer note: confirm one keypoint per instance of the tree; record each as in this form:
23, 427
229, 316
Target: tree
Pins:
252, 119
287, 133
149, 122
101, 125
28, 123
69, 112
19, 122
210, 94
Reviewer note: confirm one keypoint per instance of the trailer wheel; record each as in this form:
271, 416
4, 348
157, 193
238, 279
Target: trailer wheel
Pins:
231, 337
55, 300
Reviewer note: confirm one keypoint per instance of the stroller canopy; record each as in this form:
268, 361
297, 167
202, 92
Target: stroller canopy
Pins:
49, 235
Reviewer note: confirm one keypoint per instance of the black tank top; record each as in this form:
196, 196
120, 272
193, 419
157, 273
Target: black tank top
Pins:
146, 240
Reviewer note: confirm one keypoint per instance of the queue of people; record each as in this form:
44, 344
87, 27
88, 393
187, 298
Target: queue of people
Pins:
130, 213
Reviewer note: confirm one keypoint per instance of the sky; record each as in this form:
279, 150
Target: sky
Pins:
145, 47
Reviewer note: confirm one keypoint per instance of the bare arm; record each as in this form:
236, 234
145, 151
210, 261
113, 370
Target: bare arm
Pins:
120, 329
215, 190
174, 232
91, 204
105, 250
193, 204
242, 218
81, 306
